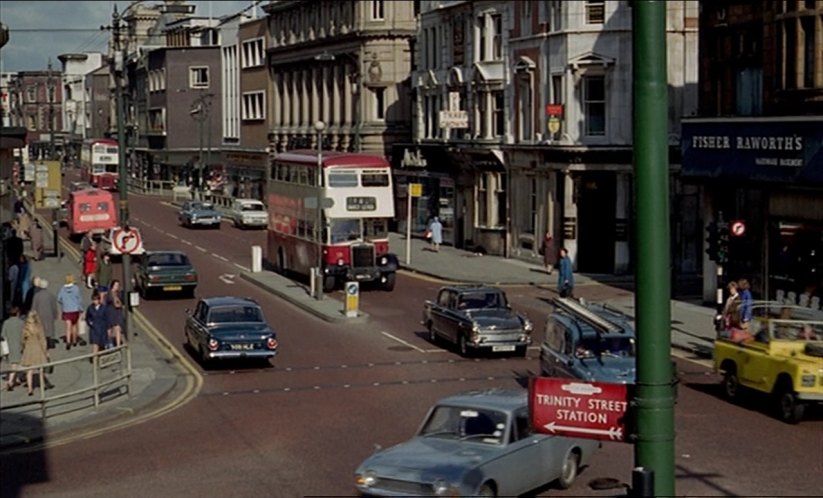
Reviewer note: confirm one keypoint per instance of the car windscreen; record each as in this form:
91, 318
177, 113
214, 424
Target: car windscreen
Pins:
168, 259
202, 206
466, 423
479, 300
235, 314
252, 207
592, 346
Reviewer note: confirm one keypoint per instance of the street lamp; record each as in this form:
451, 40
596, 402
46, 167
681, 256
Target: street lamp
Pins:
200, 111
319, 127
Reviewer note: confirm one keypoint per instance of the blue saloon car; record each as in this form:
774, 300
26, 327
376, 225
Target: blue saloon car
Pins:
222, 328
477, 443
590, 342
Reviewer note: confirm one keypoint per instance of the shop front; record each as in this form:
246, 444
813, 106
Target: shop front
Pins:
244, 174
765, 175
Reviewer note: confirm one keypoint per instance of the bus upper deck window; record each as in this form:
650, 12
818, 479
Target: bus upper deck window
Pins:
337, 179
85, 207
102, 206
375, 180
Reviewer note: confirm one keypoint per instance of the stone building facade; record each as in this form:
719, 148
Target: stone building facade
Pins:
546, 87
345, 63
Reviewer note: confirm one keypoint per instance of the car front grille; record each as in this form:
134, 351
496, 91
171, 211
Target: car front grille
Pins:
502, 335
405, 488
362, 256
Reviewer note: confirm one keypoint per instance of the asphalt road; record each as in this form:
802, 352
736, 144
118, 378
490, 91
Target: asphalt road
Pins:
300, 425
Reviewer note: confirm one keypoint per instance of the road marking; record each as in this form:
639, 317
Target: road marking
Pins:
201, 249
227, 278
186, 242
173, 236
241, 267
220, 257
401, 341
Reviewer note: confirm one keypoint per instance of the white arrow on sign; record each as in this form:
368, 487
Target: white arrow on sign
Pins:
613, 432
227, 278
581, 388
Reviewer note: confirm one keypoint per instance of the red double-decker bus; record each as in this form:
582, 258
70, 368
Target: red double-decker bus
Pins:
98, 160
356, 203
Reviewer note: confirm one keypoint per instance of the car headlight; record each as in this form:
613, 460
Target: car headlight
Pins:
384, 261
528, 326
443, 488
367, 479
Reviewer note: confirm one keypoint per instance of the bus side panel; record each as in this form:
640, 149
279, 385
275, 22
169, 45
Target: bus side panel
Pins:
290, 253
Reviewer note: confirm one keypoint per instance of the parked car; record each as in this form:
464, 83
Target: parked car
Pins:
783, 359
589, 342
222, 328
477, 443
477, 318
112, 249
248, 213
199, 213
165, 272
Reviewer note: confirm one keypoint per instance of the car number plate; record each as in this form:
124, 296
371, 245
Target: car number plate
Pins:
242, 347
172, 288
502, 348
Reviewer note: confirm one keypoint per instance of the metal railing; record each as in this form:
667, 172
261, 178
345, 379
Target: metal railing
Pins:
103, 379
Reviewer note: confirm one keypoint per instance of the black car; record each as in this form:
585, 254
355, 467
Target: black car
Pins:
223, 328
477, 318
163, 272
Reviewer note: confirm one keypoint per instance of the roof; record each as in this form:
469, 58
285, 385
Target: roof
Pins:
586, 329
493, 399
333, 158
226, 300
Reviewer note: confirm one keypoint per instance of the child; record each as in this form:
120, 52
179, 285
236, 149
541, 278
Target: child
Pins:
89, 266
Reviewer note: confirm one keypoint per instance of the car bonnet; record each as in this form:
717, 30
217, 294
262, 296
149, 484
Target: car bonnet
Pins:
425, 459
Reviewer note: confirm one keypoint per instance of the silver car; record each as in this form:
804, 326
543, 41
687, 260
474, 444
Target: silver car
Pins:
249, 213
478, 443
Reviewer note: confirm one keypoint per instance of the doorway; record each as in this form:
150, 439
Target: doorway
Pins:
596, 198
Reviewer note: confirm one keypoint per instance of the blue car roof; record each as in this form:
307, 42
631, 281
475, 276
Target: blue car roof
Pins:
586, 330
227, 300
506, 400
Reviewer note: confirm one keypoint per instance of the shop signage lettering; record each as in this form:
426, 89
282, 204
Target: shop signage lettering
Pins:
747, 143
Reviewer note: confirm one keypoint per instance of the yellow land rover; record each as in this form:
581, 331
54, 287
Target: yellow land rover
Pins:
783, 359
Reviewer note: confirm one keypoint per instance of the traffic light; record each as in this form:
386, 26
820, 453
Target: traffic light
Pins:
712, 240
722, 243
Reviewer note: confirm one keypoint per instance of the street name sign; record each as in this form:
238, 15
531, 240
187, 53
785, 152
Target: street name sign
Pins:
570, 407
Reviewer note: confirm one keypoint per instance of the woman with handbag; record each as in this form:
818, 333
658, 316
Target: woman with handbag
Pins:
12, 333
34, 350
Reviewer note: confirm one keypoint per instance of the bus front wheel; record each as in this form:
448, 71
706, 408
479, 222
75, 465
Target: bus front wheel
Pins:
388, 284
329, 283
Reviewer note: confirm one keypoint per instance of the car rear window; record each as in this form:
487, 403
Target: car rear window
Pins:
168, 259
235, 314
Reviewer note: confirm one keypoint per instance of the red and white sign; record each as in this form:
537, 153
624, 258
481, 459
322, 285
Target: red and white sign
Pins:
738, 228
568, 407
126, 241
554, 110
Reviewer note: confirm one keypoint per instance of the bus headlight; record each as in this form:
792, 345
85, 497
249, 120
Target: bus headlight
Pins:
384, 261
340, 262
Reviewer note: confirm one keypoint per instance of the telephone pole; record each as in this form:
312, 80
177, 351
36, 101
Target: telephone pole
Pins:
118, 71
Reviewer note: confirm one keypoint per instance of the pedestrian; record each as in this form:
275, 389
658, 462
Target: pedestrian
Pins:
70, 300
436, 231
13, 243
19, 281
23, 225
103, 270
549, 253
86, 242
114, 303
565, 274
89, 266
36, 234
34, 350
44, 303
745, 303
98, 322
12, 333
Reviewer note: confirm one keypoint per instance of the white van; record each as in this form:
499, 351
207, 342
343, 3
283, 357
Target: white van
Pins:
248, 213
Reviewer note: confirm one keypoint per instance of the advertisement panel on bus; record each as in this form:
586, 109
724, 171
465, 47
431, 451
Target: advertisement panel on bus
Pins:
355, 201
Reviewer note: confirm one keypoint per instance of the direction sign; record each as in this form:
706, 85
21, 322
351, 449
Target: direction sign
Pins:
569, 407
126, 241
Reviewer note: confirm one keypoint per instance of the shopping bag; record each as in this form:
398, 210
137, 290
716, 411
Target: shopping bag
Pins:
82, 327
4, 348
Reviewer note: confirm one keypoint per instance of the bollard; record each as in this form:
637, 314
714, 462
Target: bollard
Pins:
256, 259
642, 483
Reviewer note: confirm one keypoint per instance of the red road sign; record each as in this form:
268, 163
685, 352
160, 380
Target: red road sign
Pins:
569, 407
554, 110
738, 228
126, 241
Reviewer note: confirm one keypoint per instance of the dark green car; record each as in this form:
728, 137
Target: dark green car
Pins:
165, 272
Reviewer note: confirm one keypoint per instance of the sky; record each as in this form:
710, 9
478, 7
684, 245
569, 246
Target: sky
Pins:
39, 30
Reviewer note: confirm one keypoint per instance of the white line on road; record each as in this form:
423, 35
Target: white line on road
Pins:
185, 241
201, 249
171, 235
220, 257
241, 267
401, 341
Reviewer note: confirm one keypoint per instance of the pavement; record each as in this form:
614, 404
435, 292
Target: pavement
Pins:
161, 379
